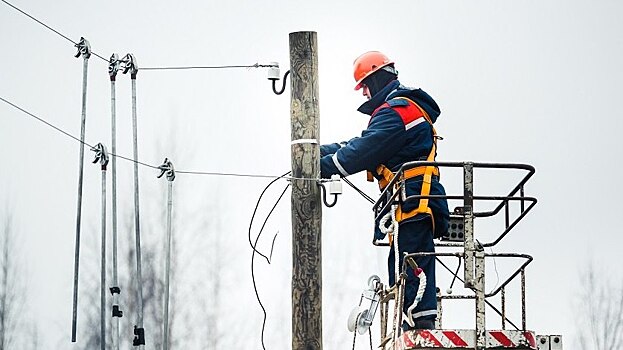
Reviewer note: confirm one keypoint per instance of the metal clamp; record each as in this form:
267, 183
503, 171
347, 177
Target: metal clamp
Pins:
101, 155
116, 311
130, 65
114, 64
84, 48
167, 168
139, 336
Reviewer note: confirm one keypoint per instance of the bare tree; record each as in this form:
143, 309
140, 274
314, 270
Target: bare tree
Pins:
600, 313
11, 286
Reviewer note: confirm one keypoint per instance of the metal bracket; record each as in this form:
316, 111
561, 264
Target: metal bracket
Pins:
167, 168
273, 75
114, 64
130, 65
101, 155
84, 48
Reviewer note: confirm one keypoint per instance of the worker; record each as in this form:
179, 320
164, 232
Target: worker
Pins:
400, 130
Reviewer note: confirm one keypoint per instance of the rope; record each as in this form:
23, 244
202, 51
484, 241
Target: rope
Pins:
418, 296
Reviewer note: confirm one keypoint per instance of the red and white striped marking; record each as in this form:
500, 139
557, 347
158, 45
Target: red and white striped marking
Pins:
464, 339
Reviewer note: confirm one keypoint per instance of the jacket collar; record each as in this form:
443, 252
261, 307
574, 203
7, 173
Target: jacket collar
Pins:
369, 106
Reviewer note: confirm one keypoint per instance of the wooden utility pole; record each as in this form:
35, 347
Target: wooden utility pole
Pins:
306, 204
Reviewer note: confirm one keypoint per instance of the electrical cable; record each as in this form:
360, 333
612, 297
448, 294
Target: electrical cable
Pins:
257, 204
257, 295
43, 121
255, 65
486, 301
362, 193
497, 274
50, 28
153, 166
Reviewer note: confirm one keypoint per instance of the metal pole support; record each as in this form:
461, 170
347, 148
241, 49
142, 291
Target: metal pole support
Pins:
114, 65
479, 289
468, 223
84, 50
101, 157
130, 66
167, 168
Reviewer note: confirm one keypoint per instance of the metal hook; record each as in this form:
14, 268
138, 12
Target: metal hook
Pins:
283, 87
84, 48
101, 155
167, 168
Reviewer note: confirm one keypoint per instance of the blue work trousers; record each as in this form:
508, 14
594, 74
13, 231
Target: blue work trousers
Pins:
417, 237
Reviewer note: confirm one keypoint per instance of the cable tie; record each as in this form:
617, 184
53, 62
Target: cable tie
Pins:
301, 141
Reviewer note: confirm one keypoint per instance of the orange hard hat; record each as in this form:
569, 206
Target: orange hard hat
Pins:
367, 64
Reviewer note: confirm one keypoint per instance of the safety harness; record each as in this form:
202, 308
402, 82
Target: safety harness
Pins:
410, 114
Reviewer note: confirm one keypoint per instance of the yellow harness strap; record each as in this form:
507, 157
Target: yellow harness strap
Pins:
386, 175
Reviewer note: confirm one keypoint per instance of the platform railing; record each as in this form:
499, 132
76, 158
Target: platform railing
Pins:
473, 254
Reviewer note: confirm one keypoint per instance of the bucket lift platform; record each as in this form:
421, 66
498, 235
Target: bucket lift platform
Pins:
462, 243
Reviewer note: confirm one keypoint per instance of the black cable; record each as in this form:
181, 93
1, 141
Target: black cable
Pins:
142, 163
486, 301
257, 204
283, 86
257, 295
50, 28
256, 65
44, 122
362, 193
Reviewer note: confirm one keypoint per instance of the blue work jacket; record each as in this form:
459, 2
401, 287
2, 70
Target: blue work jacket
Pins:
391, 142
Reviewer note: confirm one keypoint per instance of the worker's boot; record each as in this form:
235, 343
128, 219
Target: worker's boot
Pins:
424, 324
419, 324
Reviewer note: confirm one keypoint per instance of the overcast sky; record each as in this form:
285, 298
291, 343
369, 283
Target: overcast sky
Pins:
534, 82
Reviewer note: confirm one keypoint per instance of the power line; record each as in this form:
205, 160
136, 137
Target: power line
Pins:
43, 121
362, 193
49, 28
209, 173
255, 65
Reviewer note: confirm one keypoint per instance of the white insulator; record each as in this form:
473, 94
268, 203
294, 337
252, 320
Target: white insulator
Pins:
335, 186
449, 291
273, 72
